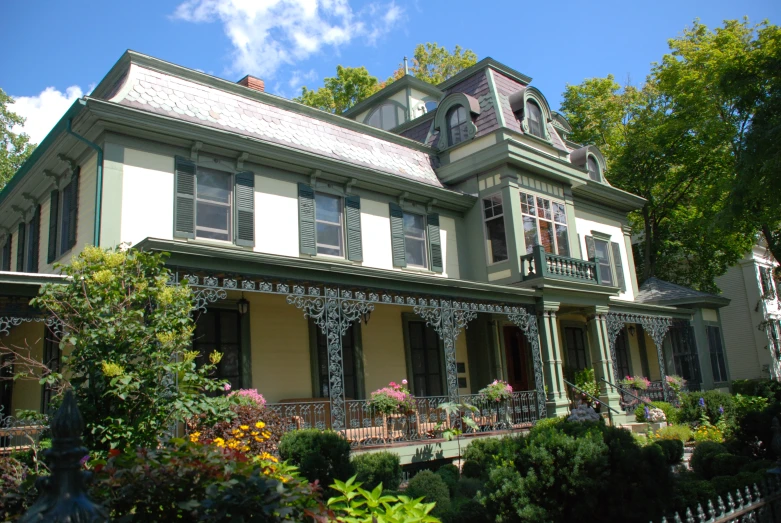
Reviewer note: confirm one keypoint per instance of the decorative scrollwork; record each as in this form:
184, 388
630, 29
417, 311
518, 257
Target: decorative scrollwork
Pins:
615, 323
527, 322
54, 325
203, 297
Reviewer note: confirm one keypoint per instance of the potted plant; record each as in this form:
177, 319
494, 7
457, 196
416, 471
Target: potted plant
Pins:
589, 390
393, 401
675, 383
636, 382
497, 392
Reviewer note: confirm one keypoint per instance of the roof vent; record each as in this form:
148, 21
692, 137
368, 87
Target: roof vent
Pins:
252, 83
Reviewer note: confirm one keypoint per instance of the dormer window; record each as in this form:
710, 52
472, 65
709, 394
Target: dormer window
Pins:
593, 168
386, 117
534, 117
457, 125
431, 105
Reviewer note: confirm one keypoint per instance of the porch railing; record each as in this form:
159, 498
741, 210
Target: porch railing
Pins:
541, 264
367, 427
20, 434
655, 392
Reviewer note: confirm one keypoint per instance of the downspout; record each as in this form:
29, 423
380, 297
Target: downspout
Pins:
98, 184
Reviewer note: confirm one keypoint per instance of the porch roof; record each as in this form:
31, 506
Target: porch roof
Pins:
25, 284
660, 292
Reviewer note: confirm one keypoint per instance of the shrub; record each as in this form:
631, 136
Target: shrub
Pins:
703, 454
725, 465
468, 511
449, 473
753, 436
681, 433
765, 388
254, 430
378, 467
729, 484
691, 410
356, 504
471, 469
322, 456
671, 413
432, 488
484, 453
673, 450
747, 404
708, 433
468, 487
690, 490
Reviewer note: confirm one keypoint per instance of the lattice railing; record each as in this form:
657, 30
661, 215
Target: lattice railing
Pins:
20, 434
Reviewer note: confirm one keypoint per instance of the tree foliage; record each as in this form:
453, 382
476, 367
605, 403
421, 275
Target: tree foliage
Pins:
434, 64
14, 147
676, 141
126, 348
347, 88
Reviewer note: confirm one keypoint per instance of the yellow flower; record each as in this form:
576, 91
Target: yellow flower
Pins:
260, 425
215, 357
244, 427
195, 436
112, 370
219, 442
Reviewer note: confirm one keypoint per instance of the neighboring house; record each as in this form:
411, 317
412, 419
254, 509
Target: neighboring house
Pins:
752, 320
332, 254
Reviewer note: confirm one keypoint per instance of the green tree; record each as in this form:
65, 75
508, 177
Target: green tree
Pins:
347, 88
435, 64
14, 148
126, 348
676, 141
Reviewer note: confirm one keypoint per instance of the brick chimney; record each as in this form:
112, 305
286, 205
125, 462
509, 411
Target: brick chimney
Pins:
252, 83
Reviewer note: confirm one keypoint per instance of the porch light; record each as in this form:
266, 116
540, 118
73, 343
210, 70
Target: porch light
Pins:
243, 306
365, 317
632, 330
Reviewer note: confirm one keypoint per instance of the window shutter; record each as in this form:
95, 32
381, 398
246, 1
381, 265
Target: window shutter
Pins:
618, 265
306, 219
591, 251
54, 211
245, 209
352, 213
20, 249
35, 241
184, 202
74, 209
435, 246
7, 253
397, 236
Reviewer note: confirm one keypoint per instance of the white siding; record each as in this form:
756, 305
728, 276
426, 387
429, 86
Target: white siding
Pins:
584, 228
147, 196
738, 324
276, 216
447, 231
375, 234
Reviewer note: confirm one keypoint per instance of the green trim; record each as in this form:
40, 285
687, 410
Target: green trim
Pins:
440, 118
106, 86
389, 102
482, 64
302, 161
534, 94
113, 175
497, 100
98, 182
407, 81
42, 148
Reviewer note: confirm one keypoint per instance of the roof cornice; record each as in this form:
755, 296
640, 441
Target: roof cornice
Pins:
479, 66
132, 57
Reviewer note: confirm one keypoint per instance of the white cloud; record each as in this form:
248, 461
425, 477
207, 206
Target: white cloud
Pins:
267, 34
44, 110
297, 79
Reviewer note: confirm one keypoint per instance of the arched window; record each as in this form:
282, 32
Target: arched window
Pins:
593, 168
457, 125
386, 117
430, 105
534, 118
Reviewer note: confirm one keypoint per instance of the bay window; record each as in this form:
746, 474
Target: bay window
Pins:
544, 223
496, 241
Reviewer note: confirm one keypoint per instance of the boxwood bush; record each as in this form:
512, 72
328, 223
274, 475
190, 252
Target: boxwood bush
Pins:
321, 456
703, 455
378, 467
673, 450
432, 488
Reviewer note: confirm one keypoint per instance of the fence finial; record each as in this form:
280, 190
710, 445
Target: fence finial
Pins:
63, 495
711, 510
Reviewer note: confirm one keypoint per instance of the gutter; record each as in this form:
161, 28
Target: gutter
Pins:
98, 178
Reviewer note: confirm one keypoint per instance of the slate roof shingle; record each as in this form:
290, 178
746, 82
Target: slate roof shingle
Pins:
654, 290
169, 95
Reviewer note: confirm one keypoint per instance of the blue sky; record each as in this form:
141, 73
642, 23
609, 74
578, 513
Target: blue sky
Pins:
56, 51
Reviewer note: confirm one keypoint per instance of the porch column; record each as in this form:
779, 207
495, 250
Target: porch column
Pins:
557, 402
657, 328
599, 347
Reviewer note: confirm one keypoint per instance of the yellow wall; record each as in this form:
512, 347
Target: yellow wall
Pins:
280, 348
27, 392
383, 347
653, 358
635, 360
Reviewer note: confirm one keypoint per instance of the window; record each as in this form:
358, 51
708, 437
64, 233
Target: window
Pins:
622, 354
718, 364
218, 330
63, 213
602, 252
774, 328
766, 283
52, 359
544, 223
6, 255
386, 117
534, 119
415, 240
494, 228
65, 217
457, 125
576, 349
593, 168
28, 238
328, 219
431, 105
213, 199
425, 363
350, 364
685, 355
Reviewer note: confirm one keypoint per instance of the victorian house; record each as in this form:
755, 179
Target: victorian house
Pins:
449, 235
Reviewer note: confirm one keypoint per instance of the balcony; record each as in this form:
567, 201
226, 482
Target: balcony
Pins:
541, 264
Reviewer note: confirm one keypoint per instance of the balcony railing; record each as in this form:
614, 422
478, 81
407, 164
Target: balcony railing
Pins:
541, 264
367, 427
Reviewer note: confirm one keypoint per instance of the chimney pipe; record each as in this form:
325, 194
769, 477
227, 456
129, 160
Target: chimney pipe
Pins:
252, 83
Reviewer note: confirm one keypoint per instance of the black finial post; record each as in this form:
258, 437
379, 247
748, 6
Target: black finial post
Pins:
63, 495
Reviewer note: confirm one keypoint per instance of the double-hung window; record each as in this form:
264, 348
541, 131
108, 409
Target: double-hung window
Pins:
496, 240
415, 240
534, 119
28, 243
63, 215
607, 254
5, 263
602, 254
457, 125
717, 359
213, 203
329, 220
544, 223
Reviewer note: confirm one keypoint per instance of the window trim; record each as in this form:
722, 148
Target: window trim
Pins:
470, 104
427, 261
488, 254
518, 101
591, 156
461, 126
231, 205
552, 221
397, 105
342, 226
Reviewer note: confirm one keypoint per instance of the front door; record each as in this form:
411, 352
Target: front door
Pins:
520, 374
575, 344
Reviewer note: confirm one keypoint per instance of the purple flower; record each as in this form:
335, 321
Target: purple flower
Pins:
84, 460
721, 409
647, 413
702, 403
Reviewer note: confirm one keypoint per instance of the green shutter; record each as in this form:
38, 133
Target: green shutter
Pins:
35, 241
20, 249
184, 200
352, 212
74, 209
617, 264
54, 211
245, 209
397, 236
7, 253
591, 251
306, 219
434, 244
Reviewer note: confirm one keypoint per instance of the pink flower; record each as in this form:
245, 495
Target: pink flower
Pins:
250, 394
227, 387
404, 382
